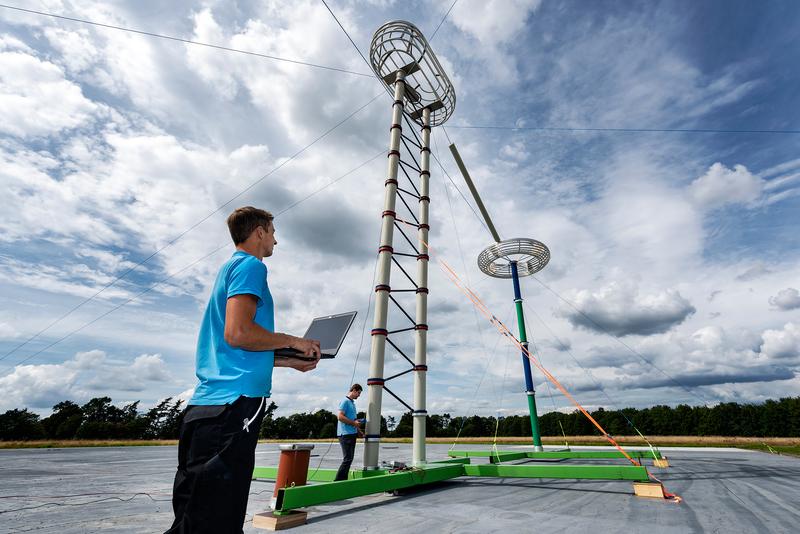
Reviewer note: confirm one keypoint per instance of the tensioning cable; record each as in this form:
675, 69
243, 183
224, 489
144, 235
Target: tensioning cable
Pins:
185, 41
489, 362
549, 390
592, 378
500, 404
618, 340
478, 323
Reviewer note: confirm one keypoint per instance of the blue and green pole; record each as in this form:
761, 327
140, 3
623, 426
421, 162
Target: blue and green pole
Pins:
523, 338
526, 363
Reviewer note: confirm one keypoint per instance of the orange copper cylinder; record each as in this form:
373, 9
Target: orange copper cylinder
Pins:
293, 466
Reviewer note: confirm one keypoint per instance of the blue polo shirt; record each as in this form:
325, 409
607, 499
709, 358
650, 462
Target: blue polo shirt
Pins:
225, 372
348, 407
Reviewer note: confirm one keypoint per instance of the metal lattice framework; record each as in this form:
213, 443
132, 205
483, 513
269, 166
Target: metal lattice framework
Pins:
530, 255
400, 46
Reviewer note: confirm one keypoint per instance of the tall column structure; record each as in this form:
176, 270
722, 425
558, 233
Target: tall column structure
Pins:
372, 434
402, 58
421, 328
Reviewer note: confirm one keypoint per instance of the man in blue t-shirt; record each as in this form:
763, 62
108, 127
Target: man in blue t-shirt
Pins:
234, 362
348, 429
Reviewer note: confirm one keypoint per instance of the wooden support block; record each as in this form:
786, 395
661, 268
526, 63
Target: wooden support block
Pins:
270, 521
652, 490
663, 462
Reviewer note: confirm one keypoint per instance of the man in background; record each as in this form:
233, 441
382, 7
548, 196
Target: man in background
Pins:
234, 361
348, 429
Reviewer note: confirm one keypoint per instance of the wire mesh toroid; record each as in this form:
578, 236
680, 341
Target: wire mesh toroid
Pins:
399, 45
531, 257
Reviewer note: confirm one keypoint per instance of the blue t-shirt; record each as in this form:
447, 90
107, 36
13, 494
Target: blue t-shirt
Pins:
347, 406
225, 372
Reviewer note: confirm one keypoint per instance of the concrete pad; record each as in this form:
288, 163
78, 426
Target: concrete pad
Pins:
128, 489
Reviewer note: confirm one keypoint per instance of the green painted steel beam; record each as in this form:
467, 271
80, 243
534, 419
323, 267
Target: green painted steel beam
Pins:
271, 473
501, 456
452, 461
315, 475
592, 454
592, 472
302, 496
507, 456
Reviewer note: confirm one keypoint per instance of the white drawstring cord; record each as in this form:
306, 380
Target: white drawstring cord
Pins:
249, 420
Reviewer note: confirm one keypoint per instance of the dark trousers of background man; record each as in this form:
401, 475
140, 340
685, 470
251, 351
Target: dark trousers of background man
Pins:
216, 457
348, 443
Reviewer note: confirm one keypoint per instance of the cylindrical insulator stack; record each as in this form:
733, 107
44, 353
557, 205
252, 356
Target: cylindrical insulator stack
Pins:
375, 381
421, 339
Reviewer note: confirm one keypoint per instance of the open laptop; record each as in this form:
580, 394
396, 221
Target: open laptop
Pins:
329, 330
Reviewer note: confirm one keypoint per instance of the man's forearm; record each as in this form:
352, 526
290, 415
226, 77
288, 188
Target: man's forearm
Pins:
254, 337
292, 363
348, 421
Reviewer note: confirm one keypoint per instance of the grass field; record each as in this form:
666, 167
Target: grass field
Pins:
789, 446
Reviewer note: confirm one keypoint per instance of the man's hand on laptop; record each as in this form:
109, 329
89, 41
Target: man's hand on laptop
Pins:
310, 351
309, 347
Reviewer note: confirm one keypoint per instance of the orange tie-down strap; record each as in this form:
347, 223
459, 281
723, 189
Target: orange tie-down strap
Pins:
478, 303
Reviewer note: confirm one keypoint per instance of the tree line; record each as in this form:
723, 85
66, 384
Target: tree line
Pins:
101, 419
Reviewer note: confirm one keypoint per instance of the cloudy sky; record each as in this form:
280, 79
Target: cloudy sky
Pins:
675, 255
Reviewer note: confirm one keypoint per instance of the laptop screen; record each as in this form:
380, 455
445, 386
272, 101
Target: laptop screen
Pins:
330, 331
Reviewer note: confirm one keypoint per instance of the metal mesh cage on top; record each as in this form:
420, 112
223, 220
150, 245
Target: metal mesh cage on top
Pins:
399, 45
531, 257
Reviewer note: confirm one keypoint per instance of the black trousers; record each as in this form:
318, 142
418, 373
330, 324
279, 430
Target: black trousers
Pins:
348, 443
216, 457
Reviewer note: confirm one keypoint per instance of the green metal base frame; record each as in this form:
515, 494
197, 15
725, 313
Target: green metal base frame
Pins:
510, 456
363, 483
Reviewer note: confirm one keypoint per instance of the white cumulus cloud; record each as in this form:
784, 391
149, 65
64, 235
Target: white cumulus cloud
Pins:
85, 375
786, 299
493, 21
721, 185
781, 344
37, 386
620, 309
36, 100
7, 331
150, 367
